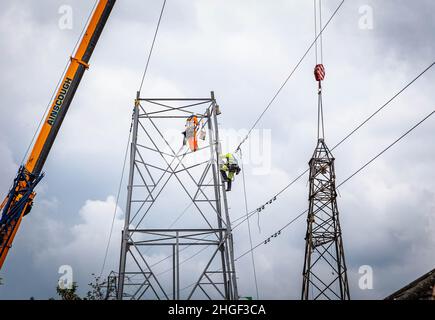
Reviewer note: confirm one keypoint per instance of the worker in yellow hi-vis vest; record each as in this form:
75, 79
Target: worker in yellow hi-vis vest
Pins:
229, 167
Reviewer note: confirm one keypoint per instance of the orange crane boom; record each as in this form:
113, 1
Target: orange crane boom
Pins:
19, 201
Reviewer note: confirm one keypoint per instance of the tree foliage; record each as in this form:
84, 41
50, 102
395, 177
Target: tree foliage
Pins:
97, 291
68, 293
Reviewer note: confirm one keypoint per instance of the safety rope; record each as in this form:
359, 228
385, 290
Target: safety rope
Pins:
117, 200
254, 269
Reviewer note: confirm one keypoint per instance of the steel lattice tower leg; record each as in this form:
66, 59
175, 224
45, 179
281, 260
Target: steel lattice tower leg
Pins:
324, 275
155, 163
111, 286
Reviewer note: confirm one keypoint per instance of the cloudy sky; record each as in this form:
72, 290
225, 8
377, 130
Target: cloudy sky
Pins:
243, 50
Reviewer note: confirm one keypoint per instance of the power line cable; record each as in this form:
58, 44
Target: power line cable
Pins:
371, 116
152, 46
384, 105
270, 103
245, 218
117, 201
342, 183
254, 269
297, 178
289, 76
387, 148
267, 240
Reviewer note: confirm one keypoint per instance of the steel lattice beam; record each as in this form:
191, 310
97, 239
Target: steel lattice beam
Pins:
324, 274
200, 181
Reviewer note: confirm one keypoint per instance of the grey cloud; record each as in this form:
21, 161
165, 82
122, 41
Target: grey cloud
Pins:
243, 51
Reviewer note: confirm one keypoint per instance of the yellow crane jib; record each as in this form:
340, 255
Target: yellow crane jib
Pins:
19, 200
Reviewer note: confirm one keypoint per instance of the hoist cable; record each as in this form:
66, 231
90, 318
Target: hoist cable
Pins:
152, 46
254, 269
41, 121
289, 76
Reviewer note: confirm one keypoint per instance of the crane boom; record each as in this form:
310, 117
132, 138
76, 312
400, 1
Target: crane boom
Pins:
20, 198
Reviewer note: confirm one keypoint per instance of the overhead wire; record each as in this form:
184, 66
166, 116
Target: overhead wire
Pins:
267, 240
289, 76
345, 138
277, 233
355, 130
385, 104
387, 148
152, 45
275, 96
252, 248
254, 269
243, 218
140, 89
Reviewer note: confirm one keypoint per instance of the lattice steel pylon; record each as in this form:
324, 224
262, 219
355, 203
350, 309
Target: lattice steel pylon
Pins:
324, 274
111, 286
156, 259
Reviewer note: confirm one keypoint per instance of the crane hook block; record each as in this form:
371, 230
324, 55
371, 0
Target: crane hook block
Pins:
319, 72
